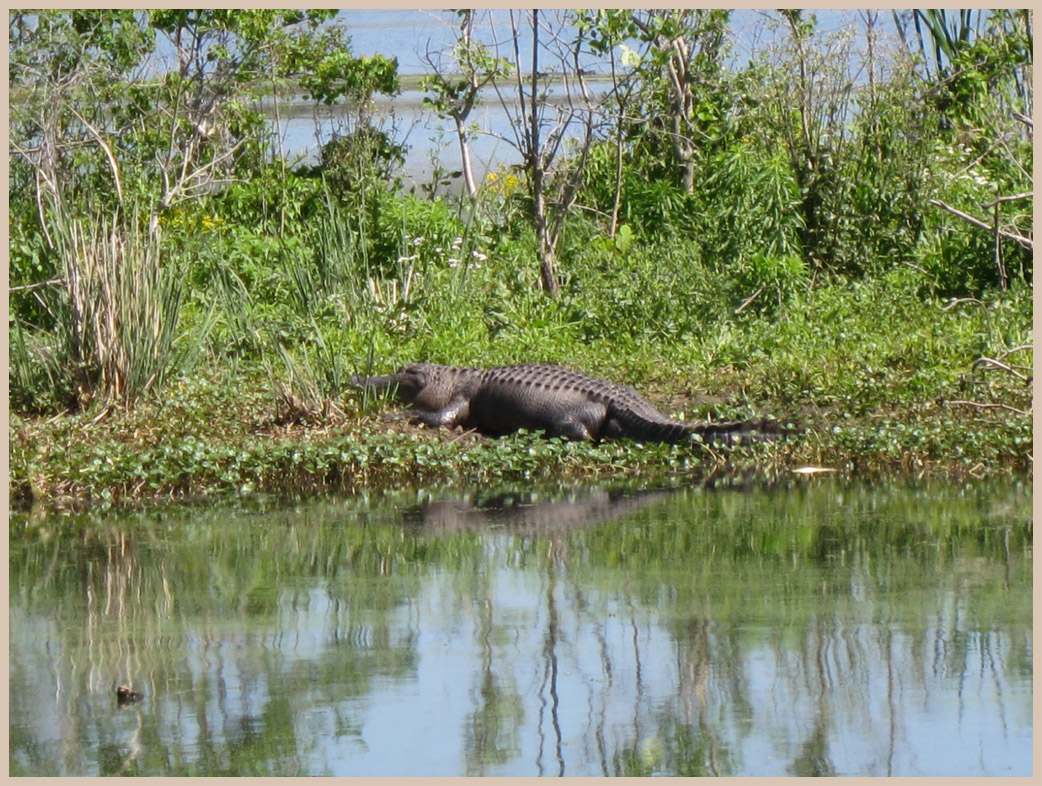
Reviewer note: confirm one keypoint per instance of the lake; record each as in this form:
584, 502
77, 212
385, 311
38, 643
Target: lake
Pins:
740, 627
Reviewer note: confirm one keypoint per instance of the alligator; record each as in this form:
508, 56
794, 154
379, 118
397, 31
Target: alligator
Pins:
548, 398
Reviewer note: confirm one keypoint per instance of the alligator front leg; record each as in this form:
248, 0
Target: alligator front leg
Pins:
455, 413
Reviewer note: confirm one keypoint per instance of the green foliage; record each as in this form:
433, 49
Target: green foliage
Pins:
749, 207
947, 36
58, 45
659, 292
655, 208
336, 74
38, 380
773, 285
189, 150
792, 154
768, 282
360, 161
983, 151
682, 95
315, 305
887, 169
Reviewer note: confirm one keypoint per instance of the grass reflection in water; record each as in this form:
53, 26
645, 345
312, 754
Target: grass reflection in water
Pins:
815, 628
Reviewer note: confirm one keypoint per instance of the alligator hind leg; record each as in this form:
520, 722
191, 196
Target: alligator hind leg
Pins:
581, 422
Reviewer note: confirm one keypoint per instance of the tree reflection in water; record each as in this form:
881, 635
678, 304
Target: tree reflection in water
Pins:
808, 629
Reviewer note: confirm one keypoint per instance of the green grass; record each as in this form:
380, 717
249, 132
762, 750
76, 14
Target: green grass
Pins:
871, 369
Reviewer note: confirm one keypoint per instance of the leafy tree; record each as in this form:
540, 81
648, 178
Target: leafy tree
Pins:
681, 72
455, 95
607, 29
104, 137
979, 88
541, 129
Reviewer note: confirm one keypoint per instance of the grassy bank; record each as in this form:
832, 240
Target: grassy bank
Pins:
884, 383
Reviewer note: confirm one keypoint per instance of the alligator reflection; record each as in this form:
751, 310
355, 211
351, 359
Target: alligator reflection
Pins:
531, 512
522, 514
733, 628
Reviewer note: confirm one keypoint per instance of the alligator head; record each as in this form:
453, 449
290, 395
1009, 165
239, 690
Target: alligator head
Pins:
405, 384
424, 385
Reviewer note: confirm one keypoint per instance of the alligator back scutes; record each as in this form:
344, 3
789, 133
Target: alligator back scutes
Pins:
546, 376
624, 404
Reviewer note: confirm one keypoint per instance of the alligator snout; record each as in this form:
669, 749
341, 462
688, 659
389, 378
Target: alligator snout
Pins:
376, 383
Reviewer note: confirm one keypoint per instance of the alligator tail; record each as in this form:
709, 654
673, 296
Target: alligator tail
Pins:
730, 432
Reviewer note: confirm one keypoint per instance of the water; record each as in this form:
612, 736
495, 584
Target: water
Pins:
305, 128
415, 37
810, 628
412, 36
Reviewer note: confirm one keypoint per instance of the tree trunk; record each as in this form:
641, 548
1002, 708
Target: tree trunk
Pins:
616, 204
547, 273
464, 150
683, 144
536, 168
546, 270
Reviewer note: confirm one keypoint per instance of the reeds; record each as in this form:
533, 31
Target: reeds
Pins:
114, 326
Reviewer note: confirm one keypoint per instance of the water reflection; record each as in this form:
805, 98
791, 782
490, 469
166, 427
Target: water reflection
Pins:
815, 629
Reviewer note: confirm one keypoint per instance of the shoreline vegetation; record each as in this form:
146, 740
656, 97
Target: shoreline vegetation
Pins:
779, 239
209, 435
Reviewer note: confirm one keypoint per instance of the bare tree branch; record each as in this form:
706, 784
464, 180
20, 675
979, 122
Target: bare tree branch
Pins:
991, 363
39, 284
1020, 240
985, 405
1010, 198
1024, 119
108, 151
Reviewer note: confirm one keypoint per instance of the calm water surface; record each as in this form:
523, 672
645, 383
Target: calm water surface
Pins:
803, 628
